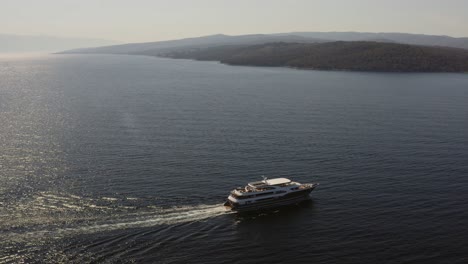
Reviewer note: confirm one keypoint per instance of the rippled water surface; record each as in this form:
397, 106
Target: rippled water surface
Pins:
128, 159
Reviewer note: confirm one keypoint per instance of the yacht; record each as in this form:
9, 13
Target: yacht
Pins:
268, 193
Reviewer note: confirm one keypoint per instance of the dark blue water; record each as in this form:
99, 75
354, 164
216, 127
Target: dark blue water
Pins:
128, 159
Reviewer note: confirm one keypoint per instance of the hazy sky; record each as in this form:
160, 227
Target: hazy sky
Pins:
148, 20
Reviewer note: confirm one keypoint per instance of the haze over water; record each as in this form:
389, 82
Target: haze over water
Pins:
109, 158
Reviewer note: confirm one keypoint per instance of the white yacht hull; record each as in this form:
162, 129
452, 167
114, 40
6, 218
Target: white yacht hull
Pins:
288, 199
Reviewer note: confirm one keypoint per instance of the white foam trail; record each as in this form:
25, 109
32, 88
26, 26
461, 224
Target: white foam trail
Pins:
109, 199
162, 217
175, 217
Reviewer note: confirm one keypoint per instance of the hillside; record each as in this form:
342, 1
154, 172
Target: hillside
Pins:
353, 56
155, 48
402, 38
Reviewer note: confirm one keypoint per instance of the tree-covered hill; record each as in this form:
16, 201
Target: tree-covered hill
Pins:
340, 55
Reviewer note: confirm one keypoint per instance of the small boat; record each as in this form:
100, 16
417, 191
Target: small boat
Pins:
268, 193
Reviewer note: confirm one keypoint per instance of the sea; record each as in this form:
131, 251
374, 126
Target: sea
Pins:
129, 159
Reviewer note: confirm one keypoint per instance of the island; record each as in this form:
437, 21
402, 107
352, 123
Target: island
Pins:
371, 56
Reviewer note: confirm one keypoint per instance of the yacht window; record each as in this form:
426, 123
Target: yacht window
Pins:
263, 199
261, 194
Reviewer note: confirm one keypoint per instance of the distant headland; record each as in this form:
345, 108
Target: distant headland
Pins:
352, 51
350, 56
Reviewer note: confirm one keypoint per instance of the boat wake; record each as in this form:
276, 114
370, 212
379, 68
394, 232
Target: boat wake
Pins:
63, 216
162, 217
